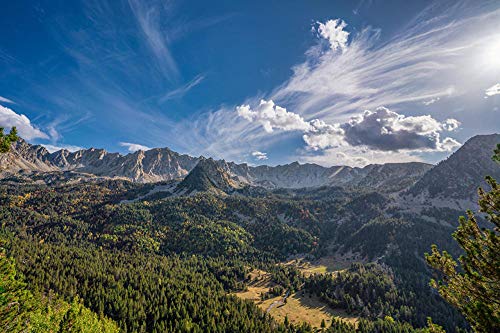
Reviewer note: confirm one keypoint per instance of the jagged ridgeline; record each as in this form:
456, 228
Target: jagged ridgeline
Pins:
163, 164
156, 241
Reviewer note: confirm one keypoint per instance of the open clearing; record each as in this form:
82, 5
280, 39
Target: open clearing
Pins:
299, 306
329, 264
302, 308
261, 282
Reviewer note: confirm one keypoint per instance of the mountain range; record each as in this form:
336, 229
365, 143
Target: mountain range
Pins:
456, 176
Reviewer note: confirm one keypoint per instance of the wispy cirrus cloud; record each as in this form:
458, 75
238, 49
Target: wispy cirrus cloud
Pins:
6, 100
182, 90
431, 101
408, 68
493, 90
432, 58
149, 16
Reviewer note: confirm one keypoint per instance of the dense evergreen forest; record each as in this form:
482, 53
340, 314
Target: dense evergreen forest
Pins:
173, 263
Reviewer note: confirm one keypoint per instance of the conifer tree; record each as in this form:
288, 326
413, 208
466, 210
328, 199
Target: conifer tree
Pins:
7, 140
474, 288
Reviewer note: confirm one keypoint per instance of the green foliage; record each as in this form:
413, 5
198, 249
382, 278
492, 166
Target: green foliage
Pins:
170, 264
7, 140
142, 292
496, 156
23, 311
388, 324
369, 290
474, 288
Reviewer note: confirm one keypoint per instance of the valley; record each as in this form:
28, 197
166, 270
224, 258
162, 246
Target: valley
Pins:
209, 252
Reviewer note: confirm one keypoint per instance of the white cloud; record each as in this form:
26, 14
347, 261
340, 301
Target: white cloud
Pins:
259, 155
418, 64
149, 19
133, 147
382, 129
387, 130
322, 135
53, 148
431, 101
450, 124
448, 144
355, 157
181, 91
430, 58
272, 116
6, 100
494, 90
9, 119
333, 31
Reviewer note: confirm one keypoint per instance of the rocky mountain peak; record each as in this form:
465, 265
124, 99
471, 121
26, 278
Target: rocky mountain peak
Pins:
207, 175
163, 164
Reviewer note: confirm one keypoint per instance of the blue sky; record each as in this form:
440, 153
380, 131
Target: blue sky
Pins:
330, 82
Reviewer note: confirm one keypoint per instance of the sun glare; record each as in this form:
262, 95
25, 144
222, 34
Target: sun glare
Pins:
490, 55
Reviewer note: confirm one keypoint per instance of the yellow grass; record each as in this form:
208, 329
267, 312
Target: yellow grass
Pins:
299, 308
324, 265
260, 284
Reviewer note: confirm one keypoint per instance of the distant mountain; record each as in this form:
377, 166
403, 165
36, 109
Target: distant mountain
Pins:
391, 176
207, 176
163, 164
153, 165
460, 175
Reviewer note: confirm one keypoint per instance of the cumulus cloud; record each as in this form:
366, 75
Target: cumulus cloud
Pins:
494, 90
259, 155
382, 129
333, 31
272, 116
9, 119
322, 135
450, 124
387, 130
133, 147
6, 100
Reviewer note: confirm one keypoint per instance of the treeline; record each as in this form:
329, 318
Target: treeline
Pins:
24, 311
374, 291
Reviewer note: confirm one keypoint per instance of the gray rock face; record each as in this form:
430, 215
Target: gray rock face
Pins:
142, 166
26, 157
163, 164
462, 173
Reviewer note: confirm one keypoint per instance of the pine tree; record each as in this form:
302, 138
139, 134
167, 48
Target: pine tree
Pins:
7, 140
474, 288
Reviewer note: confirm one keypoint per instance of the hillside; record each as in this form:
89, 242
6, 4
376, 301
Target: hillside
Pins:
207, 176
213, 253
460, 175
